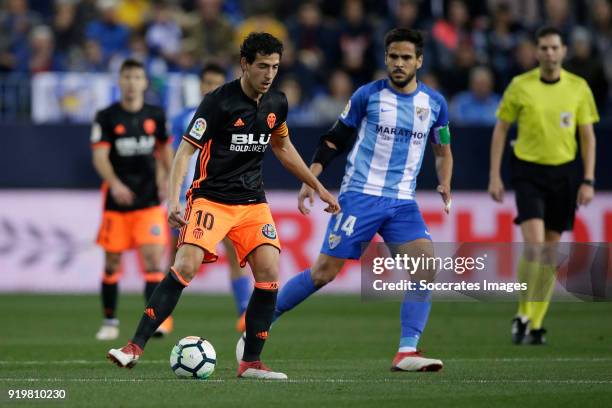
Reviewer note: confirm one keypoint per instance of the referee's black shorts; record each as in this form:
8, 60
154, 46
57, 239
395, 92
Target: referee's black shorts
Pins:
545, 192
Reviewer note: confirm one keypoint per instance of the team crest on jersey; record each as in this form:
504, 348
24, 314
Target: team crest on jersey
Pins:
198, 232
271, 120
269, 231
346, 110
566, 119
333, 240
119, 129
422, 113
149, 126
198, 128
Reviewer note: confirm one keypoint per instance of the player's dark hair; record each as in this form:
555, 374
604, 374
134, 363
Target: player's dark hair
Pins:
405, 34
214, 68
131, 63
262, 43
546, 31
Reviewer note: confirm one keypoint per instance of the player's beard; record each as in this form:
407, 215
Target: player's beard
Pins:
401, 84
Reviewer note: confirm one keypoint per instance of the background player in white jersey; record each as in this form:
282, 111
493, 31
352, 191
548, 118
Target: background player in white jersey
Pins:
212, 76
392, 119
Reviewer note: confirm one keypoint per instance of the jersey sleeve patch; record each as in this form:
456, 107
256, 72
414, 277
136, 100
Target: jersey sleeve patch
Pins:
96, 133
100, 133
198, 128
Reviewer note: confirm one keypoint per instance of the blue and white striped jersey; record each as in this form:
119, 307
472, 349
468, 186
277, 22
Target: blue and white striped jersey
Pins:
392, 129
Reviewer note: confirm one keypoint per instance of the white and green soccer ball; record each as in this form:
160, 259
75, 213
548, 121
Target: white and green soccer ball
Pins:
193, 357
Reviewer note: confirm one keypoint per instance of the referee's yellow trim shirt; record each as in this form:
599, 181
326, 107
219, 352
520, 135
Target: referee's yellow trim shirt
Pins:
547, 115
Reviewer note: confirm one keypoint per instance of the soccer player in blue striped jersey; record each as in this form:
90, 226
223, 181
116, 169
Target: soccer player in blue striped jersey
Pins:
392, 119
212, 76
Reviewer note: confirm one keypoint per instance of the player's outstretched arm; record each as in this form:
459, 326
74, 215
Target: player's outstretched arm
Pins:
306, 192
120, 192
289, 157
496, 186
444, 168
177, 175
336, 140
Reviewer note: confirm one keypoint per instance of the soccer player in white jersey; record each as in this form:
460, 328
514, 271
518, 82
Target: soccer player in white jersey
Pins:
392, 119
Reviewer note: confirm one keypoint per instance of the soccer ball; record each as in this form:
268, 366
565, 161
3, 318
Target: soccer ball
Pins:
193, 357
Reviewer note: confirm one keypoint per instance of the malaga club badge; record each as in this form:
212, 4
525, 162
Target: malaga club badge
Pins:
422, 113
333, 240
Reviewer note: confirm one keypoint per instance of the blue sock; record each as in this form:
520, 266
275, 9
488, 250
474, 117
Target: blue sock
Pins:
294, 292
414, 313
241, 288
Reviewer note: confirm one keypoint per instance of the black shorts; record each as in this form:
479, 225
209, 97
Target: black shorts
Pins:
545, 192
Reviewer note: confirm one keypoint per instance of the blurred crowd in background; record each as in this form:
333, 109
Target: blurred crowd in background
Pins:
473, 48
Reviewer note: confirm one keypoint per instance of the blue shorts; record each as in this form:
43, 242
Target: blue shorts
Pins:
363, 215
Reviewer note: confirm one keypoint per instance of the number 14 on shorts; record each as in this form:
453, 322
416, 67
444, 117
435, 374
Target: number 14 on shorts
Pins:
348, 226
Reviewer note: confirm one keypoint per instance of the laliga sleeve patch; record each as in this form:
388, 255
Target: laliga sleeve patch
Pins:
96, 133
198, 128
269, 231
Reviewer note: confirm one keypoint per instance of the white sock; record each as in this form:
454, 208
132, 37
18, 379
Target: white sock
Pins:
407, 349
111, 322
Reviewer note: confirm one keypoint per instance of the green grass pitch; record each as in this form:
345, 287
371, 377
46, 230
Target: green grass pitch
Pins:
336, 350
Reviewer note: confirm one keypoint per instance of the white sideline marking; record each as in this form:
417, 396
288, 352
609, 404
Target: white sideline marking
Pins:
456, 360
313, 381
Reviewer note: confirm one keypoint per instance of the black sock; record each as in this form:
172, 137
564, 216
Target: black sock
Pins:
160, 306
149, 289
109, 299
258, 319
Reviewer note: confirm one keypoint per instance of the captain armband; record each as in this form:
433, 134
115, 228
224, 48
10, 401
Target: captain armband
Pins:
341, 136
442, 135
324, 154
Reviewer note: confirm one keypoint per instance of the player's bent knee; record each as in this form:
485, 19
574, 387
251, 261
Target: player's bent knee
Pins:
152, 264
323, 273
111, 277
185, 271
111, 263
428, 275
533, 251
325, 270
267, 273
320, 278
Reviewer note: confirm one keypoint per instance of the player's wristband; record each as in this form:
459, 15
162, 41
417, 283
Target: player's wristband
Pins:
589, 182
